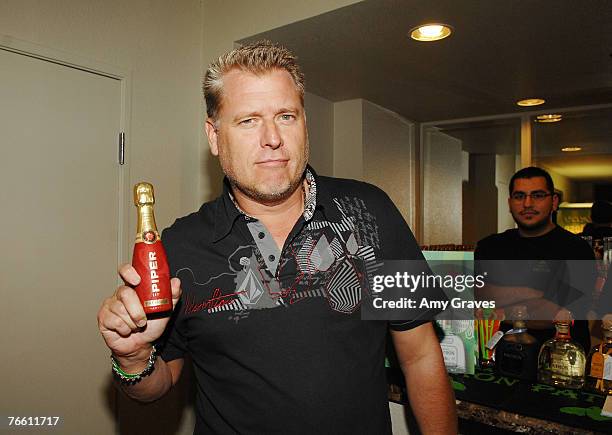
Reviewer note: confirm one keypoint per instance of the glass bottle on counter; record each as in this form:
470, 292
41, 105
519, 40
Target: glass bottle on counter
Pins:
516, 354
599, 362
561, 361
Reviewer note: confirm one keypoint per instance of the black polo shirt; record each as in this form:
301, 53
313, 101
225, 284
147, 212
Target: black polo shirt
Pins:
276, 338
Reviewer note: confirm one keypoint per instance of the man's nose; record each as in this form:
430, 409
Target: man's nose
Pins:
527, 202
271, 137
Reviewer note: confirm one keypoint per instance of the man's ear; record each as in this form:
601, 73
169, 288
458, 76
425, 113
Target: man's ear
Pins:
211, 133
555, 202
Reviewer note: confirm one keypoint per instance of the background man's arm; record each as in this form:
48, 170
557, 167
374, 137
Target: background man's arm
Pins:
505, 296
540, 310
429, 389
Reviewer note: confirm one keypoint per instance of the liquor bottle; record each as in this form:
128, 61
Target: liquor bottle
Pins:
149, 257
607, 253
516, 354
561, 361
453, 351
599, 362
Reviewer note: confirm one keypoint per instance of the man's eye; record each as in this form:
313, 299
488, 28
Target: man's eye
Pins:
247, 121
538, 195
287, 117
518, 196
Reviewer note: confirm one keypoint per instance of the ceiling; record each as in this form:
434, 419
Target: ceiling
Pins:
589, 130
499, 52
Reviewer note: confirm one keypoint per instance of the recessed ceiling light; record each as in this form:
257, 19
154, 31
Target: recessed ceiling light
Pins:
530, 102
553, 117
571, 149
430, 32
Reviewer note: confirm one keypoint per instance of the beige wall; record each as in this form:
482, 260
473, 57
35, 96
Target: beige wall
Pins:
320, 119
565, 185
388, 155
480, 218
442, 188
504, 169
348, 139
159, 43
375, 145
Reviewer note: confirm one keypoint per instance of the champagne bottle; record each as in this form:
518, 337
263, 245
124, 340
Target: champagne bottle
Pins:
149, 257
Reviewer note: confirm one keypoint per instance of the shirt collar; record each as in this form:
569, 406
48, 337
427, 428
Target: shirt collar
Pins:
324, 200
228, 211
225, 213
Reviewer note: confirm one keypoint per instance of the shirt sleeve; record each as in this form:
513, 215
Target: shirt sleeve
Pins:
398, 243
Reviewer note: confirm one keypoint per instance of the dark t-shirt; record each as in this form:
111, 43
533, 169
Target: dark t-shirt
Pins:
276, 338
557, 244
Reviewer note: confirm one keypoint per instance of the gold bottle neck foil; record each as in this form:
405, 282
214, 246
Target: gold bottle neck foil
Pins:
144, 198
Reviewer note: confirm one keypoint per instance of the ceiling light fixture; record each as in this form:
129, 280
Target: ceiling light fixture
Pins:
531, 102
430, 32
553, 117
571, 149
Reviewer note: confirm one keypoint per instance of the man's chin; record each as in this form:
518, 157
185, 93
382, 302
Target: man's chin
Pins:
531, 226
267, 194
272, 196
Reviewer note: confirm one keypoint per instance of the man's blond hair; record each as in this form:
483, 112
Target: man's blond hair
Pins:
258, 58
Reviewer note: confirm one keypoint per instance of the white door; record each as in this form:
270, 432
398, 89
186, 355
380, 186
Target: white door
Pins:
59, 225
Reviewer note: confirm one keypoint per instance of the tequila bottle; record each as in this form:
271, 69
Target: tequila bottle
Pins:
516, 354
599, 362
453, 351
561, 361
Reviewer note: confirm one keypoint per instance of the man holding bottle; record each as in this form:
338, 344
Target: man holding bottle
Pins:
271, 273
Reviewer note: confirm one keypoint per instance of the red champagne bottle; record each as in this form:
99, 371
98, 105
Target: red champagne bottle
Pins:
149, 257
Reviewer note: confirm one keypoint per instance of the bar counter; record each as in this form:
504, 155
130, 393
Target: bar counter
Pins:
490, 403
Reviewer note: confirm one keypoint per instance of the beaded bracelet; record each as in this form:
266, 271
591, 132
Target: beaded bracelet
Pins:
133, 378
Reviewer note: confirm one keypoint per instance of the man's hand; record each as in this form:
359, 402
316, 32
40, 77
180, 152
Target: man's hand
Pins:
124, 325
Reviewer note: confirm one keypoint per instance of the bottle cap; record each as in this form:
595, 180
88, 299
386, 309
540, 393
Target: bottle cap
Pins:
519, 312
143, 194
563, 317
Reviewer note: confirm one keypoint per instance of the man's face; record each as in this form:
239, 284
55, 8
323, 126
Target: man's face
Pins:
260, 135
530, 213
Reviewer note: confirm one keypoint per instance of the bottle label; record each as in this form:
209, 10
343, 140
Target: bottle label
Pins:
156, 302
607, 368
494, 340
150, 237
597, 365
453, 351
561, 364
154, 290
